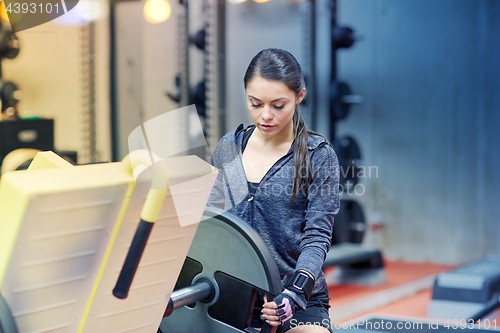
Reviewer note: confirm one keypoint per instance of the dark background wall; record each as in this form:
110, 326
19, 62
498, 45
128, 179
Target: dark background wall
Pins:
430, 75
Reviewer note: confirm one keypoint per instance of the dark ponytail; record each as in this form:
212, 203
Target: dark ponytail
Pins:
302, 170
280, 65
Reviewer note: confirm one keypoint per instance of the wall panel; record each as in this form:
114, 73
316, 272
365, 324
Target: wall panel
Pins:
429, 123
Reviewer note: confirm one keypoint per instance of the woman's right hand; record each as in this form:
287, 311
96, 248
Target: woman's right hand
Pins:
280, 310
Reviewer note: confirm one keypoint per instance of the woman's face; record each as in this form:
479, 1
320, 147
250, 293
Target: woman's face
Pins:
271, 105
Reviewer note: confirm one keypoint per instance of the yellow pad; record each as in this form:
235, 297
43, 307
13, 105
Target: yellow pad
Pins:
64, 234
16, 158
48, 160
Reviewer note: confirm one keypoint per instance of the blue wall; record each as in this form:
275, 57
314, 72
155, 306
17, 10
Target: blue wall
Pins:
430, 74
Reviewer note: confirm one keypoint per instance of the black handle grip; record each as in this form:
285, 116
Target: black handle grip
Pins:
266, 328
132, 260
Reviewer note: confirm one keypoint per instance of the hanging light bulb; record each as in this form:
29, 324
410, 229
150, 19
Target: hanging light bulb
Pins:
261, 1
156, 11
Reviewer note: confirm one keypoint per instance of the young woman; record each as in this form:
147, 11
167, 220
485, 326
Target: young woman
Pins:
283, 181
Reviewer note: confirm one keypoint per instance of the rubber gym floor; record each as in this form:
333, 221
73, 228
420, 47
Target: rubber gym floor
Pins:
405, 294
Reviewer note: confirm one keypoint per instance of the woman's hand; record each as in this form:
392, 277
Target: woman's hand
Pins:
279, 311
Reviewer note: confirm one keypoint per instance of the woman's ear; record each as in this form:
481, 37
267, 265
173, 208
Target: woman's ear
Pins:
301, 96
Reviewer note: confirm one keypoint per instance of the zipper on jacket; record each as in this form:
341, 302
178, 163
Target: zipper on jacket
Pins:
253, 208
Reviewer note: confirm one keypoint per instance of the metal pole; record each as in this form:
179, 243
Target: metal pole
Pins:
112, 83
314, 95
188, 295
92, 95
184, 54
221, 19
333, 11
333, 72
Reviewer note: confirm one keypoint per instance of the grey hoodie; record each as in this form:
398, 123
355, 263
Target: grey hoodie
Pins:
297, 234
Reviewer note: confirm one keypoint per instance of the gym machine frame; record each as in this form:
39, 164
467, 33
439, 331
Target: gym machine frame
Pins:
103, 203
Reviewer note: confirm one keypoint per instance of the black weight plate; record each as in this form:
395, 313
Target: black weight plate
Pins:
190, 269
347, 148
348, 154
343, 37
7, 323
339, 109
350, 224
224, 244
